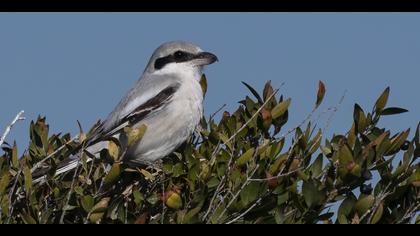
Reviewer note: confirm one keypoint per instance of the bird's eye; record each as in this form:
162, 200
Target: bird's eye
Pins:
179, 55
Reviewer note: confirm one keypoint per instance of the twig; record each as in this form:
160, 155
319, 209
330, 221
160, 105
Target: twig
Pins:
277, 176
38, 164
219, 186
409, 214
237, 193
252, 117
245, 212
336, 108
381, 196
71, 189
163, 200
11, 207
18, 117
217, 111
217, 149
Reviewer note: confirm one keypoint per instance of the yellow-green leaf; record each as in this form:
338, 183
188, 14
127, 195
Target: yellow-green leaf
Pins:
203, 83
135, 134
378, 214
280, 108
87, 203
28, 180
4, 182
147, 175
98, 210
28, 219
113, 174
397, 141
245, 157
382, 100
15, 161
174, 201
364, 203
113, 150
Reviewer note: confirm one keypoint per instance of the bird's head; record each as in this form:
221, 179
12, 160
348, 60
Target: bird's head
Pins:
175, 56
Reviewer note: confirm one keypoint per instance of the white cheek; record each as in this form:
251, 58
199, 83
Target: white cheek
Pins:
184, 70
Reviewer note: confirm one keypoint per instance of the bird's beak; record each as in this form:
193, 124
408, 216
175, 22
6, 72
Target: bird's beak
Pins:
205, 58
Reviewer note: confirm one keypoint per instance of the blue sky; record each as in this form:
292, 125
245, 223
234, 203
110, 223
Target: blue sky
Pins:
77, 66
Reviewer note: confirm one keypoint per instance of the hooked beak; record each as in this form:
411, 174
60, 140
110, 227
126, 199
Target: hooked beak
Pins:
205, 58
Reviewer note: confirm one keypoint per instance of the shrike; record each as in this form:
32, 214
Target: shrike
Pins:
167, 98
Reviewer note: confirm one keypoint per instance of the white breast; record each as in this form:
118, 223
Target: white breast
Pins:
172, 126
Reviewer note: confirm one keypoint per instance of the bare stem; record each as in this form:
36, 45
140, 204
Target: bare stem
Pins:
245, 212
18, 117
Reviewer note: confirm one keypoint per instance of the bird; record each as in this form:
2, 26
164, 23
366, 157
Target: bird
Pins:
167, 99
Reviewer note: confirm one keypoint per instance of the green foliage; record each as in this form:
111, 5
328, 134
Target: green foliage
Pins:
236, 170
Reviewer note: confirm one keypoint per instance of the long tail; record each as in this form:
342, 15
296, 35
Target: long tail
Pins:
69, 164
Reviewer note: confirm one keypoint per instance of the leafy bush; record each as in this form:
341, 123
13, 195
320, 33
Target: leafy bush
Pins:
236, 170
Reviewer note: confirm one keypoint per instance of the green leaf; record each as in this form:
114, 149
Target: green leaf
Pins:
15, 161
364, 203
99, 209
138, 197
396, 142
345, 155
174, 201
316, 167
203, 84
382, 100
4, 182
345, 209
378, 214
135, 134
280, 108
113, 150
87, 203
242, 160
113, 174
282, 198
320, 94
28, 180
28, 219
255, 93
147, 175
178, 170
359, 118
393, 111
312, 195
250, 193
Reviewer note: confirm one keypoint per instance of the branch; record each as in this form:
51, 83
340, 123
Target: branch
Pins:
277, 176
38, 164
18, 117
237, 193
252, 117
245, 212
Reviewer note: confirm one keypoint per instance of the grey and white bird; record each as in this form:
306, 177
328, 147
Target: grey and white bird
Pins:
167, 98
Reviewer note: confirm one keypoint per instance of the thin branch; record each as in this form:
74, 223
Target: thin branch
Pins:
38, 164
71, 189
18, 117
252, 117
245, 212
12, 204
277, 176
409, 214
163, 202
217, 111
335, 110
381, 196
237, 193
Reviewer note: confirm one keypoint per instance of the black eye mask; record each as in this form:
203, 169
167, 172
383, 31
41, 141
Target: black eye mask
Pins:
178, 56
